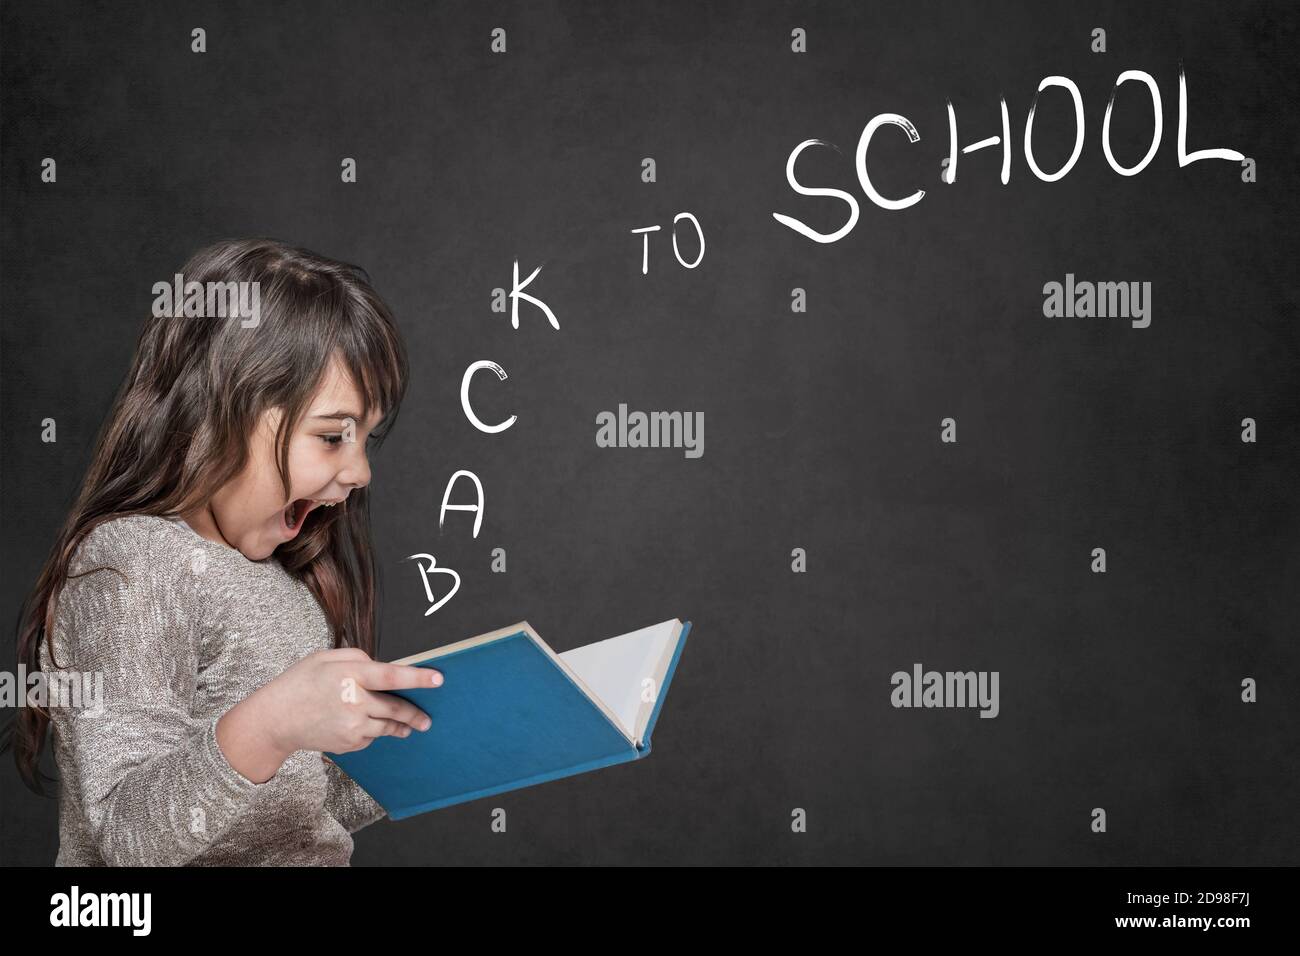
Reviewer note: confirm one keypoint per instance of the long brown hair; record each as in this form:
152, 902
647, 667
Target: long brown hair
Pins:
180, 425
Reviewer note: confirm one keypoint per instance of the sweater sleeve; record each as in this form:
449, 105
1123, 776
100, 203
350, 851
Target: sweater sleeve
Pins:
155, 786
348, 802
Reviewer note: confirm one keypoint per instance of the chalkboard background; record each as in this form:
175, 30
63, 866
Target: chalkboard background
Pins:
1119, 690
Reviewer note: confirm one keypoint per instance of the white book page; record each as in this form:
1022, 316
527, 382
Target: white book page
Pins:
615, 668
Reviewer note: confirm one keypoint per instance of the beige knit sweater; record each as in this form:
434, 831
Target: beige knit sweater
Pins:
194, 628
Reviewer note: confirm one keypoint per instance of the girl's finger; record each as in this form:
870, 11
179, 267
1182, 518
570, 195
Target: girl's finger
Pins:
386, 728
376, 675
381, 705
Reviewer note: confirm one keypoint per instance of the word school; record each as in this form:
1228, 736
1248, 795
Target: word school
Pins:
1120, 300
950, 689
949, 175
656, 430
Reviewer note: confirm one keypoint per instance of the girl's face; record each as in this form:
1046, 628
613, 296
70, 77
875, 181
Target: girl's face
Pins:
250, 513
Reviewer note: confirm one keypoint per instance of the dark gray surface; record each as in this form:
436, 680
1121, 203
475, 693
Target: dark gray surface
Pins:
1119, 691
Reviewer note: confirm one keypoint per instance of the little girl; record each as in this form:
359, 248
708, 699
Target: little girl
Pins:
215, 572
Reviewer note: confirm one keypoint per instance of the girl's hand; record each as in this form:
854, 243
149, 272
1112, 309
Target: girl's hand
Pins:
333, 700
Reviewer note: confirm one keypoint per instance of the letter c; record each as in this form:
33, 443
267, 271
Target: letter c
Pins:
912, 135
464, 397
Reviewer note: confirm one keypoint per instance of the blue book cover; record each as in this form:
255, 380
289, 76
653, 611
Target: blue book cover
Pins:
513, 713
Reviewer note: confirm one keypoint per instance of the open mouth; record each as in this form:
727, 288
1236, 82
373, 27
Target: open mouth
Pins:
293, 517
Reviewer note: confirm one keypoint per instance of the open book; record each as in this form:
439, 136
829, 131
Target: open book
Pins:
512, 713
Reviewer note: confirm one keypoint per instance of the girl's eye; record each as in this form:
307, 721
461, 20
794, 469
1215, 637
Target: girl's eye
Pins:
338, 439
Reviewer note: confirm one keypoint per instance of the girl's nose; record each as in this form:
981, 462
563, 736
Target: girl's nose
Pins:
356, 474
